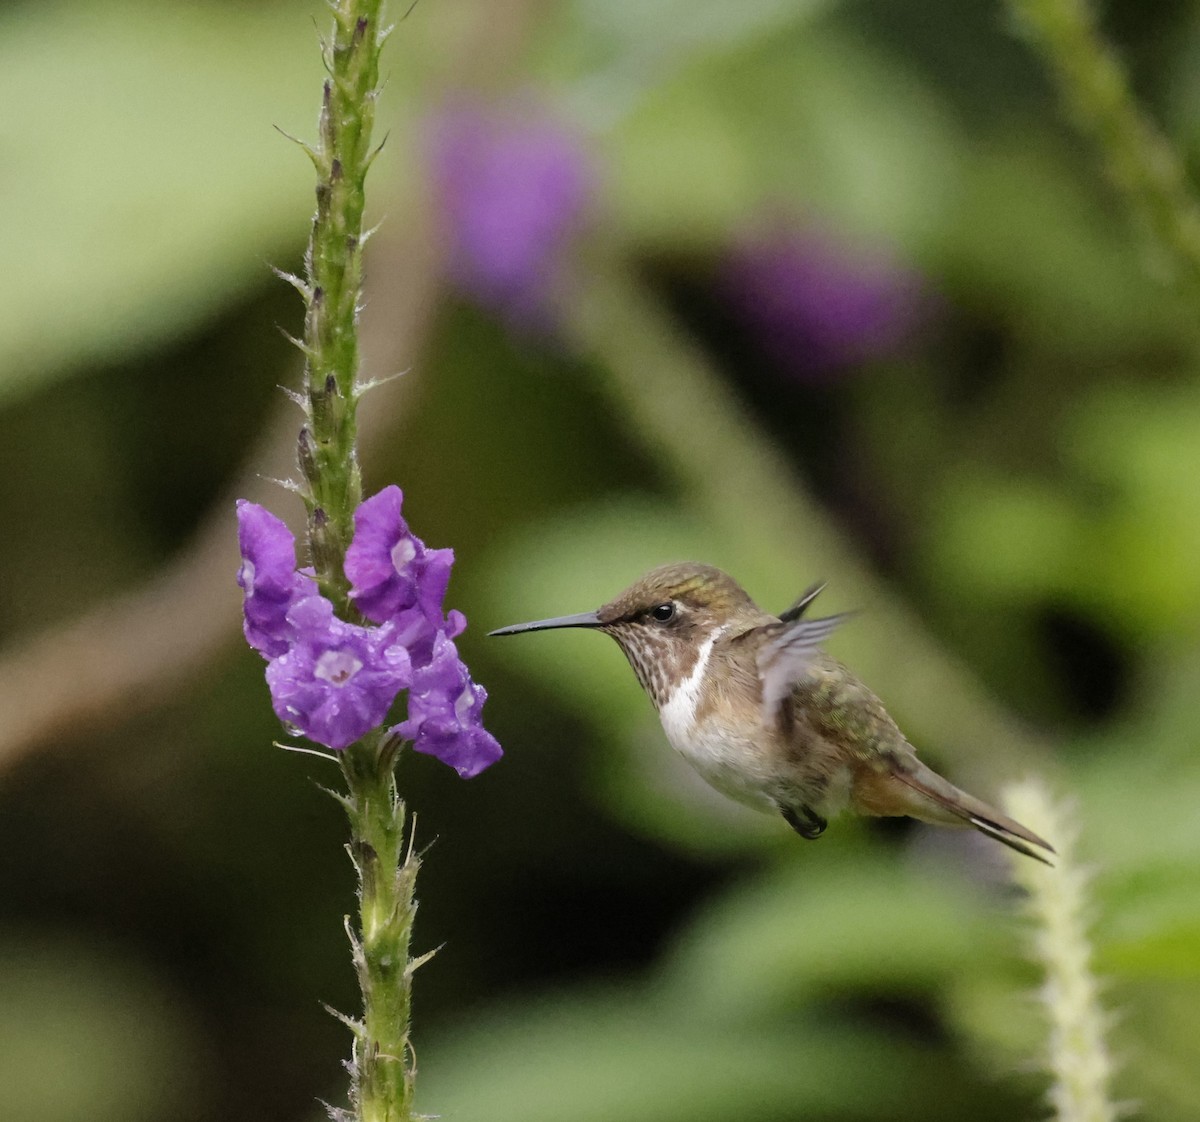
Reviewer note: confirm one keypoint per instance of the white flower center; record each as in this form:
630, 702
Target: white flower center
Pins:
402, 553
462, 706
246, 577
337, 667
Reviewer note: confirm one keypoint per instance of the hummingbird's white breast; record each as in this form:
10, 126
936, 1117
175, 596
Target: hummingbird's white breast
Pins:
708, 745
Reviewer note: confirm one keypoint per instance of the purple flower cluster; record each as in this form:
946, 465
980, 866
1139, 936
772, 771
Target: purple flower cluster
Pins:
817, 304
335, 681
513, 185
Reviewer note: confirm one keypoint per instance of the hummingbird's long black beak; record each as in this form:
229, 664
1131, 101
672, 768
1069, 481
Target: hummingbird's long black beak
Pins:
583, 619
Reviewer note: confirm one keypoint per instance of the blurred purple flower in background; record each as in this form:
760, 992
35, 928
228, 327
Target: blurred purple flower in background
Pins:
513, 185
335, 681
817, 304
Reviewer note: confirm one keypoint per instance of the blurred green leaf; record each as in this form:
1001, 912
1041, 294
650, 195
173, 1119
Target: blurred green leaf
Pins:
1140, 826
823, 924
998, 1013
1155, 1031
1118, 536
1172, 950
1006, 538
615, 51
687, 27
1139, 812
153, 186
805, 123
1141, 445
71, 1017
1030, 235
595, 1058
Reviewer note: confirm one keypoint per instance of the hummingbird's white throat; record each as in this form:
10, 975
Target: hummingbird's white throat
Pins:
678, 713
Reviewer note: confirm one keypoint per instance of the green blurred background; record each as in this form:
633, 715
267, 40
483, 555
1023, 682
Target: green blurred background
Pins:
1009, 489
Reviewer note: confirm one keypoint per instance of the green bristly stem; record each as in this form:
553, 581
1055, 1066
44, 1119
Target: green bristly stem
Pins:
342, 156
1140, 161
381, 1070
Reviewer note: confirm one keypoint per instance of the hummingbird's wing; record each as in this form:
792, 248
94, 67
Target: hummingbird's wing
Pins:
801, 605
788, 650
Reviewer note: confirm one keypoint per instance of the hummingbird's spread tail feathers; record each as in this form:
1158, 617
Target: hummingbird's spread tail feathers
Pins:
964, 809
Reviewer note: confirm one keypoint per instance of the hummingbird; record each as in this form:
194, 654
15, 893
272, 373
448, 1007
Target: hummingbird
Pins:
765, 716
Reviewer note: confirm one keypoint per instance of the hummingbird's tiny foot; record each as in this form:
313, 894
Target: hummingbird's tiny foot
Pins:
805, 821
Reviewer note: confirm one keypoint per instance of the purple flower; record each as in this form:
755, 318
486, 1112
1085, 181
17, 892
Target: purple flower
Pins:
270, 583
337, 681
395, 579
513, 185
816, 304
445, 714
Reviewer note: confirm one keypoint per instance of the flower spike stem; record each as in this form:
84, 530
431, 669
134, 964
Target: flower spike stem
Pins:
1095, 89
367, 622
333, 262
381, 1070
1077, 1058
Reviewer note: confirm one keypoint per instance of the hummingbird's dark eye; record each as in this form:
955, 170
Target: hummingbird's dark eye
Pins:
663, 612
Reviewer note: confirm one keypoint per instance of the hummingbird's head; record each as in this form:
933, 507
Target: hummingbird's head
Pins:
662, 621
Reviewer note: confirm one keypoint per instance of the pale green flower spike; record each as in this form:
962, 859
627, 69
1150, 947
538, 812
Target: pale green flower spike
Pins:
1078, 1059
